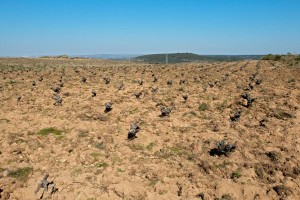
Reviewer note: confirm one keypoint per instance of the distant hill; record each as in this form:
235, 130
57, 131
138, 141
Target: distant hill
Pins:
191, 57
95, 56
110, 56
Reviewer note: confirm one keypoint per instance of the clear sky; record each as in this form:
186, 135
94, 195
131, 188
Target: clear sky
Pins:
80, 27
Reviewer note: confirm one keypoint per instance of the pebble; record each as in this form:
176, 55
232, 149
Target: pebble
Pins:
5, 173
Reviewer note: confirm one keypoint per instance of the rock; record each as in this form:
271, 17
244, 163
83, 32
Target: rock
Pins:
5, 173
244, 102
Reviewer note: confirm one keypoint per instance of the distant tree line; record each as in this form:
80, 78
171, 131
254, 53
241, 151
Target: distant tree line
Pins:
278, 57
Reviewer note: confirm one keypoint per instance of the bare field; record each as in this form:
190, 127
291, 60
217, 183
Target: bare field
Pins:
53, 121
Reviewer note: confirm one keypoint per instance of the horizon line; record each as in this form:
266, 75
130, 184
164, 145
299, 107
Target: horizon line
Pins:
140, 54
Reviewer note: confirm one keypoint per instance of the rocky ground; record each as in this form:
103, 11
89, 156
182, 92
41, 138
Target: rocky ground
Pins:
203, 130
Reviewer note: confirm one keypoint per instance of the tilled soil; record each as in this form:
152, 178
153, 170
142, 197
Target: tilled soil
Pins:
55, 120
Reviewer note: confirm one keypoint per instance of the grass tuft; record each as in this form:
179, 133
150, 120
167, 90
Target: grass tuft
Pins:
281, 114
136, 147
203, 107
102, 164
150, 146
47, 131
236, 174
21, 173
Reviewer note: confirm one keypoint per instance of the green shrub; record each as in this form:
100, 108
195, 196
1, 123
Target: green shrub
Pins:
63, 56
277, 57
267, 57
271, 57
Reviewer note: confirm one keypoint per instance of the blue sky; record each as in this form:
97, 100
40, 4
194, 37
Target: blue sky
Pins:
79, 27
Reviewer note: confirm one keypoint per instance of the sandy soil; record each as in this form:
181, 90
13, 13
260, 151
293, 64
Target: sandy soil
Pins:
87, 154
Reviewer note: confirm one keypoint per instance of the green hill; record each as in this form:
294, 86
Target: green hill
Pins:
191, 57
